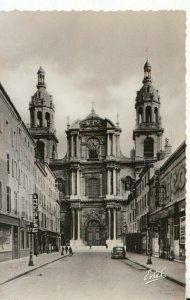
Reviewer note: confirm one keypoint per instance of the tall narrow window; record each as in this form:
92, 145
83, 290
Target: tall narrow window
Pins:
39, 119
156, 114
47, 117
13, 172
148, 148
40, 149
15, 203
8, 163
8, 199
93, 187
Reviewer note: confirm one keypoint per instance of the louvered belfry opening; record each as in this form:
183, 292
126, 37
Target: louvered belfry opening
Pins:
148, 148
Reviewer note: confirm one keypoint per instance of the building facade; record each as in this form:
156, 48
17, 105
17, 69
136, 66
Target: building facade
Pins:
17, 182
167, 207
92, 177
48, 237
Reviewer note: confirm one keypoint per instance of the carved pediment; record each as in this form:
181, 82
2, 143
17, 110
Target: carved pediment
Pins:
92, 123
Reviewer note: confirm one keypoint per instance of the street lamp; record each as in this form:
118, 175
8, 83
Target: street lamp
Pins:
149, 252
30, 227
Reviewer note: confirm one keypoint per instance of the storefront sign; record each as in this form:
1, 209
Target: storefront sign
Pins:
175, 181
35, 209
182, 230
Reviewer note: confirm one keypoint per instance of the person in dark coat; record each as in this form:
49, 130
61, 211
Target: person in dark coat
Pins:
62, 251
66, 249
70, 251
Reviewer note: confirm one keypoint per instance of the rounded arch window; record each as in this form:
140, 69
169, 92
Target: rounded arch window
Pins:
39, 119
148, 148
93, 147
47, 116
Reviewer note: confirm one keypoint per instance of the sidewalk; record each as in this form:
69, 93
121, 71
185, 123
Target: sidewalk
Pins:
13, 269
175, 271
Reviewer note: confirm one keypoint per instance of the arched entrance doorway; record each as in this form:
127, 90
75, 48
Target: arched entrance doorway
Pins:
94, 233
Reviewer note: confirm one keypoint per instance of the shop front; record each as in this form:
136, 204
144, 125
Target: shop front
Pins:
168, 232
9, 238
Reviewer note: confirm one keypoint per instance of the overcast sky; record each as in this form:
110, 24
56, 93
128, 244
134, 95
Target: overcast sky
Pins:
98, 57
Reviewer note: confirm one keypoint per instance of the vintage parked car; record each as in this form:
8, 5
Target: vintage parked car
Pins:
118, 252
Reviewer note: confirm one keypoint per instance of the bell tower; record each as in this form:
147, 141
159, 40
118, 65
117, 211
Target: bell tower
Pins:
42, 120
148, 132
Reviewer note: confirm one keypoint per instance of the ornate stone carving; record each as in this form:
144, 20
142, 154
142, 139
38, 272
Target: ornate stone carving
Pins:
92, 123
93, 214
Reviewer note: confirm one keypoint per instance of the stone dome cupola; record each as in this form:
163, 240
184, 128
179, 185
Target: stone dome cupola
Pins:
41, 78
147, 72
148, 92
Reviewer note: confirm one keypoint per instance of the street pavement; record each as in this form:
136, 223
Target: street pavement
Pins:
12, 269
174, 270
90, 275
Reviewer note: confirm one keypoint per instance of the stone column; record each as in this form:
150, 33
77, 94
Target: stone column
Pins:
114, 223
113, 145
73, 223
72, 146
68, 153
43, 119
144, 114
118, 181
109, 224
78, 219
72, 182
35, 118
108, 144
78, 182
108, 181
77, 146
116, 145
114, 181
152, 114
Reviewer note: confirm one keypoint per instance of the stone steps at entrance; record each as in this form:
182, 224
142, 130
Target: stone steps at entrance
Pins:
93, 249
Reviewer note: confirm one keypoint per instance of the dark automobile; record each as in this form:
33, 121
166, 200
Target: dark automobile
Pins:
118, 252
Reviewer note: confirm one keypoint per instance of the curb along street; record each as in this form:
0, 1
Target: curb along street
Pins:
29, 271
149, 268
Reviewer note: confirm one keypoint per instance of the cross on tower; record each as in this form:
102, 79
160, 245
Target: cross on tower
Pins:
147, 53
92, 110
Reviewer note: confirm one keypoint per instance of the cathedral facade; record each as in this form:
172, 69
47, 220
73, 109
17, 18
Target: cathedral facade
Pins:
92, 180
94, 177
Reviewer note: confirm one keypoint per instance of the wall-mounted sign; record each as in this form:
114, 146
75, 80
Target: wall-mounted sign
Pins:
35, 209
182, 230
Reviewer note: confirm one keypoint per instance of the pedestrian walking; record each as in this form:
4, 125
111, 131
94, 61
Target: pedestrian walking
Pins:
66, 249
62, 251
70, 251
90, 246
